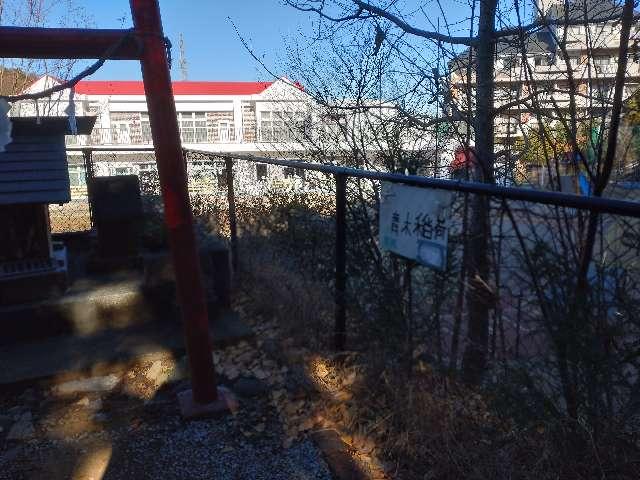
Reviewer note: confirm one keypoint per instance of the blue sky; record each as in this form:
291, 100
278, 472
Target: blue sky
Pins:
213, 50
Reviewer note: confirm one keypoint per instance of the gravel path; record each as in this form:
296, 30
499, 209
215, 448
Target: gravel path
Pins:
120, 434
198, 450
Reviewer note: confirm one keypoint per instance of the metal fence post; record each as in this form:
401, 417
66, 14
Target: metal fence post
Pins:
232, 214
87, 156
341, 262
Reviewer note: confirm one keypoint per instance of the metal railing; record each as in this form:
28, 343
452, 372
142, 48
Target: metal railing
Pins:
341, 175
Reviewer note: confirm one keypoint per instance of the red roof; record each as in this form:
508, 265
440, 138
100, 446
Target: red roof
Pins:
120, 87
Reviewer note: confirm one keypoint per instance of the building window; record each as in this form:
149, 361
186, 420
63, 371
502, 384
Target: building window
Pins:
224, 131
221, 168
271, 127
193, 127
145, 128
335, 125
282, 126
147, 167
77, 176
540, 60
602, 90
120, 132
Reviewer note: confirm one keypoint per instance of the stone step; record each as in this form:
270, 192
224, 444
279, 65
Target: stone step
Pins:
72, 353
90, 306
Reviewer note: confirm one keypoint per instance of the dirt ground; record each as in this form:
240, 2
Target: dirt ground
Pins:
122, 422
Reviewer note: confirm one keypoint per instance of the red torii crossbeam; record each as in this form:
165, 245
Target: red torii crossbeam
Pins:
146, 43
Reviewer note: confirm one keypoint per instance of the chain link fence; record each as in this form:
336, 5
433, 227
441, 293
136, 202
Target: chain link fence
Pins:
285, 218
553, 357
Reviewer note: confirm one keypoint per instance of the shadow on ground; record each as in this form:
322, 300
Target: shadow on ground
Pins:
124, 423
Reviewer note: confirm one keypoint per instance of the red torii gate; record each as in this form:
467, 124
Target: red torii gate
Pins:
146, 42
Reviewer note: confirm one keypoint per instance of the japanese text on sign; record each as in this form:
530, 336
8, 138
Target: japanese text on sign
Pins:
414, 223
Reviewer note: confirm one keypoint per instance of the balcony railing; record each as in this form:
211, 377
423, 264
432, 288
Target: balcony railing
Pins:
107, 136
556, 72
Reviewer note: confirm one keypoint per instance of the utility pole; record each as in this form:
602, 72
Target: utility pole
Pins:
184, 74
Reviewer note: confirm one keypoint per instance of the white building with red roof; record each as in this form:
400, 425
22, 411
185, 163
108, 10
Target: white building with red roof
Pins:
267, 118
220, 116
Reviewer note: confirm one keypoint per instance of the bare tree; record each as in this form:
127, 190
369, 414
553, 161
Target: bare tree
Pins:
17, 74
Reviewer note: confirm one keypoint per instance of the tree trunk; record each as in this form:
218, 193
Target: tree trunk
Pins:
475, 355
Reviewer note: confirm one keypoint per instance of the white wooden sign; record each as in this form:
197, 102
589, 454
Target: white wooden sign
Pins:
414, 223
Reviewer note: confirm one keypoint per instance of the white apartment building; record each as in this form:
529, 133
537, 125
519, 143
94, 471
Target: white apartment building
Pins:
586, 46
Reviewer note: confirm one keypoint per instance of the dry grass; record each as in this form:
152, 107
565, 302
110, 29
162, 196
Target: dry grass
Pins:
425, 425
422, 425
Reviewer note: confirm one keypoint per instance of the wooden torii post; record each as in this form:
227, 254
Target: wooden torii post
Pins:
146, 42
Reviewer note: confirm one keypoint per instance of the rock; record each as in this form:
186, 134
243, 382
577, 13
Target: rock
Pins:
94, 405
180, 370
232, 372
92, 384
259, 373
158, 373
250, 387
244, 358
298, 382
22, 429
271, 348
100, 417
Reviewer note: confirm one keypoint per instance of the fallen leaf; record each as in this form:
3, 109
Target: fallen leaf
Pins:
349, 379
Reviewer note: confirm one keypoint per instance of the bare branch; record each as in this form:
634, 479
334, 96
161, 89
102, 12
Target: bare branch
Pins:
411, 29
355, 16
374, 11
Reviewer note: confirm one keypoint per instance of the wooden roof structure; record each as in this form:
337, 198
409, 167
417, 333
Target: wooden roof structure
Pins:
33, 167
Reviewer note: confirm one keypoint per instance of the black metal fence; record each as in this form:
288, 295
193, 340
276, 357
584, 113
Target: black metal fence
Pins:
215, 179
304, 235
341, 175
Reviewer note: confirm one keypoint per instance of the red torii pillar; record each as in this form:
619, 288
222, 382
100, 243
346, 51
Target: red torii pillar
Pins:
147, 44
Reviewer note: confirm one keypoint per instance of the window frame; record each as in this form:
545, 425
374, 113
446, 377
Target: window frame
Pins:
224, 125
193, 127
262, 172
78, 172
281, 126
